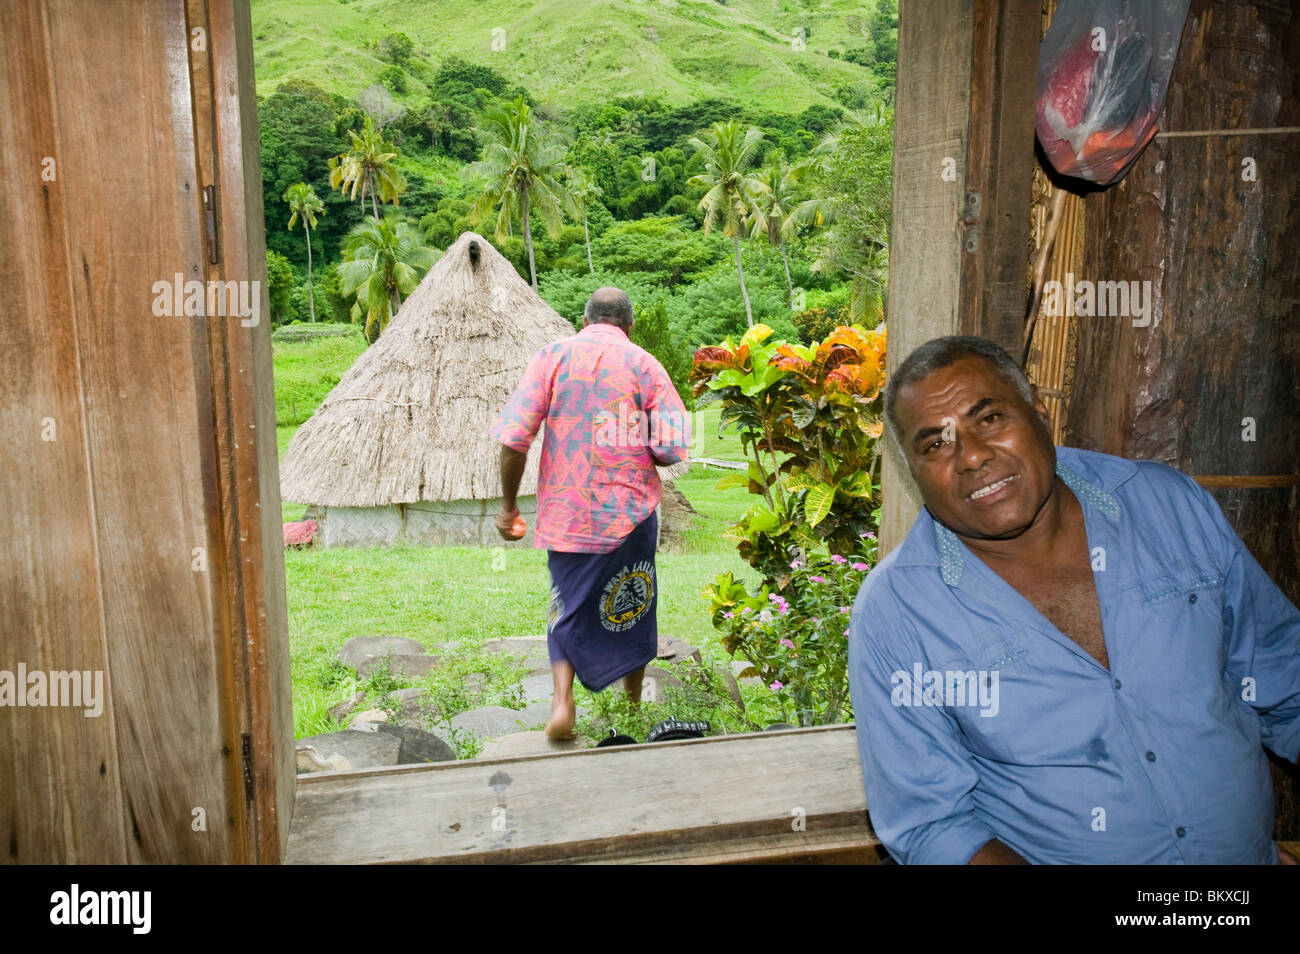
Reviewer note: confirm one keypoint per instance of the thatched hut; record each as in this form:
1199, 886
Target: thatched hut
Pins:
399, 452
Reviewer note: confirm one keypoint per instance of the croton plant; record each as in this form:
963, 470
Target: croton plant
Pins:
809, 419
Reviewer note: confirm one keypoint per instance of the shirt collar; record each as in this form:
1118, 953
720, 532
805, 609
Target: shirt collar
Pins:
605, 329
1093, 477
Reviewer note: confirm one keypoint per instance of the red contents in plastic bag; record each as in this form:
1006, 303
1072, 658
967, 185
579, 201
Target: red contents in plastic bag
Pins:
1069, 85
1103, 71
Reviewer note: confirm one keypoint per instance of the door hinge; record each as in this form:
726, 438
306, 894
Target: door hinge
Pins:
210, 221
970, 220
248, 766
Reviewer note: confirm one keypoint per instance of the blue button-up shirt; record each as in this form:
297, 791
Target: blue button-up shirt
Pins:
978, 719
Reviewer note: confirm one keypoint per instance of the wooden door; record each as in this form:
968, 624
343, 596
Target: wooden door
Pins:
133, 510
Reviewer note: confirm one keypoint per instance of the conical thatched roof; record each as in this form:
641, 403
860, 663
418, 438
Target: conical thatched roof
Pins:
410, 419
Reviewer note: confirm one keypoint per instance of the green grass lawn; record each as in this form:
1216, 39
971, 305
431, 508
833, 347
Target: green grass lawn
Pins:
464, 595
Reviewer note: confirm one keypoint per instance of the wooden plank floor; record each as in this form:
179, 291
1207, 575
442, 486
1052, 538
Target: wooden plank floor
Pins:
793, 795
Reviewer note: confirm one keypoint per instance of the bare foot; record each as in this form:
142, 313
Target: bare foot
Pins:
563, 715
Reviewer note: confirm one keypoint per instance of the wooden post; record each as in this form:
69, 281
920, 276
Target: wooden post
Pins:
963, 158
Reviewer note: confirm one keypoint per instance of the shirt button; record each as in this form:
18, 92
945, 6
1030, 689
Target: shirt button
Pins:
1192, 598
1180, 832
1118, 684
1151, 756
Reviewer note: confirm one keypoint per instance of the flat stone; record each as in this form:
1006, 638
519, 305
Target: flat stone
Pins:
361, 749
539, 688
399, 664
490, 722
536, 713
530, 743
348, 706
359, 647
733, 690
670, 647
654, 683
370, 715
418, 746
415, 706
738, 667
533, 651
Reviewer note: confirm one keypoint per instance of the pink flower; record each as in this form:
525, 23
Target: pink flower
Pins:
860, 567
871, 534
795, 564
816, 619
728, 614
817, 579
846, 630
836, 558
786, 643
844, 609
776, 685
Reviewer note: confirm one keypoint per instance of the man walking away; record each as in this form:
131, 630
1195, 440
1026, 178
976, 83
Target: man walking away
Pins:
612, 414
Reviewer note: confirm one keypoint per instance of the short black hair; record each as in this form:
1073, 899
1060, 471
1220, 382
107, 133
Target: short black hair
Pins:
940, 353
611, 306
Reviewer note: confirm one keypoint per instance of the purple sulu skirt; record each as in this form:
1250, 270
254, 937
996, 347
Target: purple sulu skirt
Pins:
602, 611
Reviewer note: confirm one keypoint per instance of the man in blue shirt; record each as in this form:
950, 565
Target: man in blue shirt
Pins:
1072, 657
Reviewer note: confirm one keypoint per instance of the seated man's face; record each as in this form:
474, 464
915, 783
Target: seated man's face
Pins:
994, 440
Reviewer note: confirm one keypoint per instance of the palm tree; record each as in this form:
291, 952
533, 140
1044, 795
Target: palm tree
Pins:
866, 257
734, 194
383, 260
304, 202
580, 188
368, 167
520, 164
775, 211
816, 211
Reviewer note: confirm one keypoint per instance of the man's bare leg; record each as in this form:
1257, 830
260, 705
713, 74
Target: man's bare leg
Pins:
632, 685
563, 711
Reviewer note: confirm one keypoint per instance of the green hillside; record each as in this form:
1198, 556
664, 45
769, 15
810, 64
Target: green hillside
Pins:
570, 52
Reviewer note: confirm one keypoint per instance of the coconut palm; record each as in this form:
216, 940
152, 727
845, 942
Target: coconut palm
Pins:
580, 189
368, 168
850, 169
520, 165
383, 260
735, 193
774, 216
304, 203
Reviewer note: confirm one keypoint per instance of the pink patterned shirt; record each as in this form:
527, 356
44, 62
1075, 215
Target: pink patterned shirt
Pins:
611, 414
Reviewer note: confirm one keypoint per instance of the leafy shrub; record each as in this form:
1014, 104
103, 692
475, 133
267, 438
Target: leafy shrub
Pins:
810, 416
798, 646
279, 280
567, 293
653, 332
393, 77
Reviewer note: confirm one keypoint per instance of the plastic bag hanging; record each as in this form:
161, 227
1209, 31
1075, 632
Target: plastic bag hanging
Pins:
1103, 71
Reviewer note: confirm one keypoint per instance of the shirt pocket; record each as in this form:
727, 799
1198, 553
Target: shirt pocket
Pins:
1178, 620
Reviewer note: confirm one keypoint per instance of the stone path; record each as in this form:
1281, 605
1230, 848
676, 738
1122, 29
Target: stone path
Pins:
416, 732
